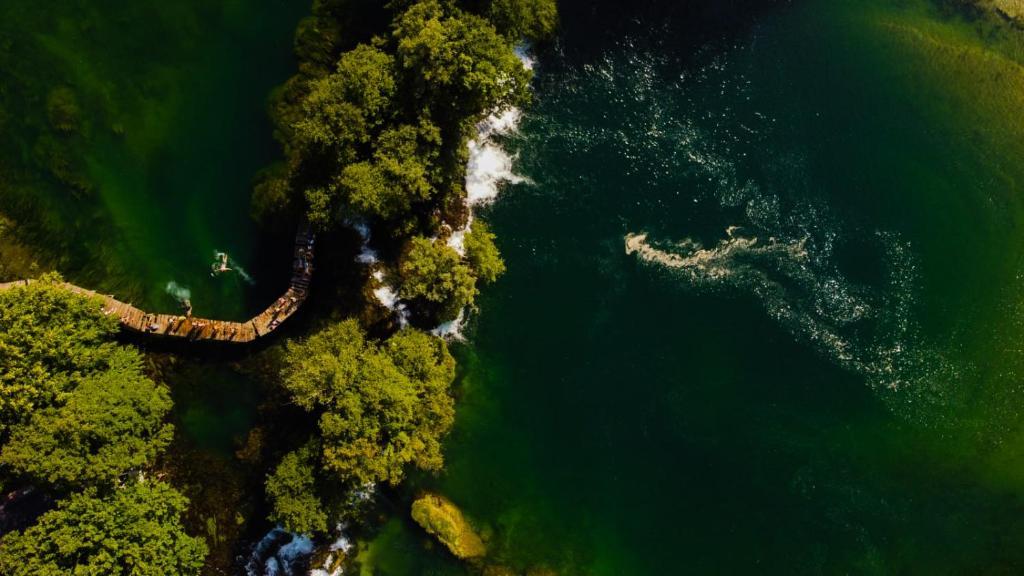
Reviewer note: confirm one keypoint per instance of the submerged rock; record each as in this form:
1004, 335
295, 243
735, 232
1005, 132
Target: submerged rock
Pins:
442, 519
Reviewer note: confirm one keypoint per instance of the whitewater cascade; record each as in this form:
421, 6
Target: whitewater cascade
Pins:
489, 167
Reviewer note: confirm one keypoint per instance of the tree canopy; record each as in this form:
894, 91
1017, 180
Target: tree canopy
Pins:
382, 135
482, 254
457, 61
291, 490
532, 19
50, 339
343, 109
380, 407
110, 424
434, 273
77, 409
136, 530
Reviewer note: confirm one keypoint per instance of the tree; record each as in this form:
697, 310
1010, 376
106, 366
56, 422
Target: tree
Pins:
400, 174
457, 61
291, 490
482, 254
531, 19
344, 108
381, 407
112, 423
342, 113
50, 339
434, 273
135, 530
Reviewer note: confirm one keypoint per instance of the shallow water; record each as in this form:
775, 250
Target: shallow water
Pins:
762, 311
171, 131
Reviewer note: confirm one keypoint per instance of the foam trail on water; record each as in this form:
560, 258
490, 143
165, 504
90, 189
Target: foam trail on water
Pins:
866, 329
488, 168
179, 292
235, 266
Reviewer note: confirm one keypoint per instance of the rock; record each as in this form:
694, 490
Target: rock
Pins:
442, 519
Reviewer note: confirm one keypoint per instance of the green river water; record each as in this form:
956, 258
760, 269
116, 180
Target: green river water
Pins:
842, 395
810, 363
172, 130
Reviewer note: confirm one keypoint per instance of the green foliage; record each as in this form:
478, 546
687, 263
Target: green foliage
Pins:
136, 530
381, 407
341, 114
76, 409
272, 191
111, 424
482, 254
292, 494
49, 340
63, 110
458, 61
435, 273
532, 19
442, 519
343, 109
401, 172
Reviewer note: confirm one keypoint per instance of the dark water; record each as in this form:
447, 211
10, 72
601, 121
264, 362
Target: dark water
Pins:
173, 129
810, 363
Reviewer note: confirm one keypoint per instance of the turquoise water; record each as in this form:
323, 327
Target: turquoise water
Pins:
810, 362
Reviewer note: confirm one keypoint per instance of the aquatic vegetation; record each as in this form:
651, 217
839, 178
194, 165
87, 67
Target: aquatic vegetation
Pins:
443, 520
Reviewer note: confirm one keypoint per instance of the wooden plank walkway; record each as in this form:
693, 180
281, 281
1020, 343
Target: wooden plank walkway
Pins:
192, 328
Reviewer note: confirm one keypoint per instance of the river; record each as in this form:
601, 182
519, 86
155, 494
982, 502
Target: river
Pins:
763, 307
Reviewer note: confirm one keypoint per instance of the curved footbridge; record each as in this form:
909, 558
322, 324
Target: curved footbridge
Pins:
192, 328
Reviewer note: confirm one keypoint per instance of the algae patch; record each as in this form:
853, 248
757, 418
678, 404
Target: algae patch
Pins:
442, 519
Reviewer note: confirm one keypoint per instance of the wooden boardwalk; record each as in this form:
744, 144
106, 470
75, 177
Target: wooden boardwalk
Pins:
192, 328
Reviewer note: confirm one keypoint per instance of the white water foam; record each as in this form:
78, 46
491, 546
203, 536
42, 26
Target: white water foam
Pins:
338, 550
279, 553
862, 328
699, 134
489, 168
179, 292
452, 329
489, 165
234, 265
366, 254
385, 293
389, 298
